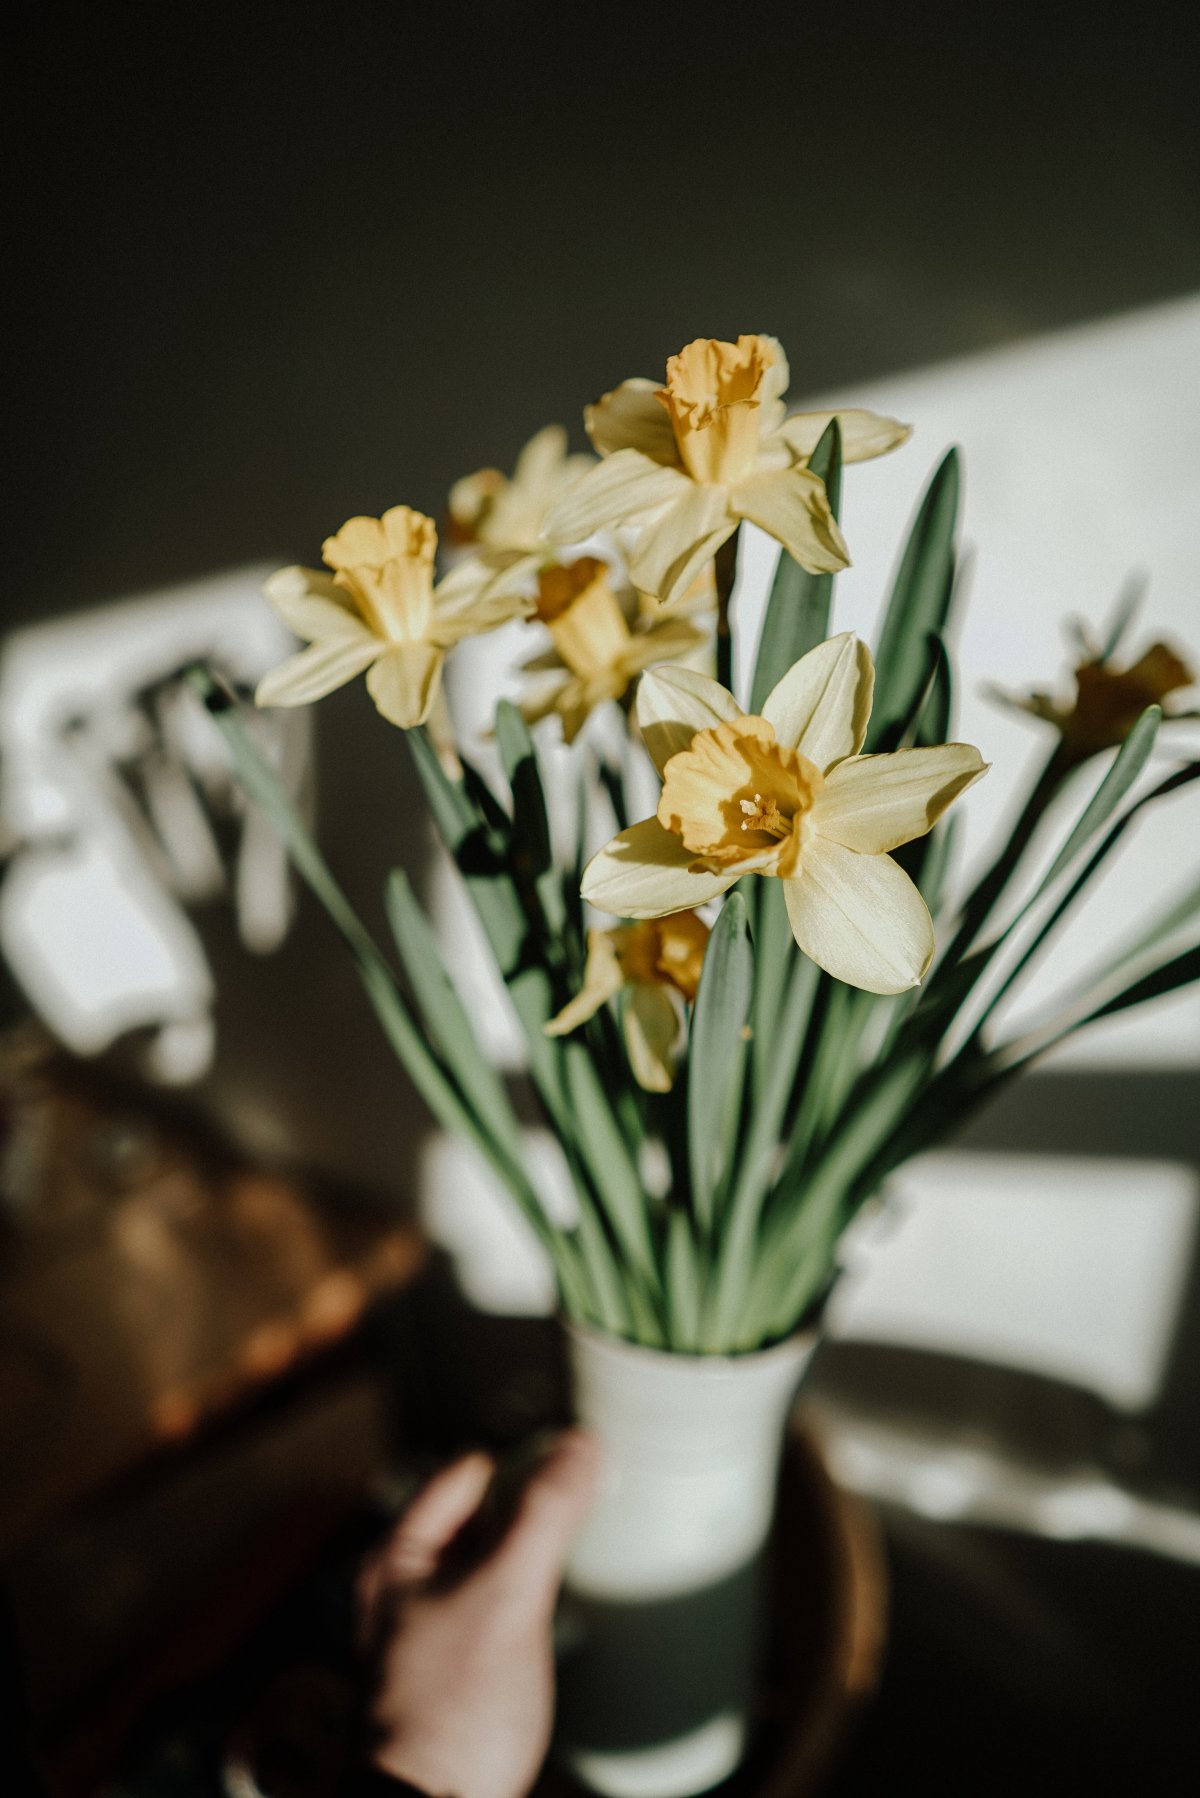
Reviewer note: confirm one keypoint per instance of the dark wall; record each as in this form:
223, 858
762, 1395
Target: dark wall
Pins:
276, 264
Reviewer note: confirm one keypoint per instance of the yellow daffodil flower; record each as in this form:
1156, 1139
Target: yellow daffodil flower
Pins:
1108, 700
688, 461
380, 611
659, 961
788, 794
599, 653
501, 512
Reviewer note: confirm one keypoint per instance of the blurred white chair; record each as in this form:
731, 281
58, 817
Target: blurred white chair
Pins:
108, 774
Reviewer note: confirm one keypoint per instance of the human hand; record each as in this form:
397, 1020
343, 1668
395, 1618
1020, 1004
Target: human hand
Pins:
464, 1695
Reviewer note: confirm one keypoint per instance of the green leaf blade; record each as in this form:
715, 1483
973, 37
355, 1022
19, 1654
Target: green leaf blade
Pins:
716, 1052
797, 614
918, 608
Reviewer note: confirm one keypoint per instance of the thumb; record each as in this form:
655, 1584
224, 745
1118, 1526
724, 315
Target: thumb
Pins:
437, 1514
552, 1508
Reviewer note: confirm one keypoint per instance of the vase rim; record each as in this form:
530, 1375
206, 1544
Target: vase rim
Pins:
793, 1347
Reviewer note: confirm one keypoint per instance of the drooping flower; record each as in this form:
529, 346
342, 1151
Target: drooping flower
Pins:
659, 962
1108, 700
378, 610
788, 794
598, 654
689, 460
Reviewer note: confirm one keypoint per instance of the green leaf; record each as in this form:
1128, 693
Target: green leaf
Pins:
737, 1249
918, 607
1163, 926
799, 1242
1179, 971
931, 868
797, 615
1127, 764
450, 1104
775, 956
684, 1283
532, 856
610, 1164
469, 828
956, 975
445, 1017
1179, 914
930, 722
716, 1054
609, 1302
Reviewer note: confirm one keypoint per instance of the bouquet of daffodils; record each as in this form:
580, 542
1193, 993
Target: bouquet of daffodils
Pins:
744, 1010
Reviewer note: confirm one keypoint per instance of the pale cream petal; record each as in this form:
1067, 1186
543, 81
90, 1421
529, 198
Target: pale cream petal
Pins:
318, 670
864, 434
860, 918
651, 1025
776, 378
311, 605
633, 417
404, 683
673, 704
539, 462
602, 980
771, 409
645, 873
539, 704
675, 544
822, 704
459, 615
669, 642
490, 571
791, 505
873, 803
622, 489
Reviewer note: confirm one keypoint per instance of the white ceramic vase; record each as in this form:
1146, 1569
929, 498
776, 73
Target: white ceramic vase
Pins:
663, 1597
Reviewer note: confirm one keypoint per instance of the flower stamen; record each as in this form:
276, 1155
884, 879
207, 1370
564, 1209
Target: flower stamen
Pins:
764, 814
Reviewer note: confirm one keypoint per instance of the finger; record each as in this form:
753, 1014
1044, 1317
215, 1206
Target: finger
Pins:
551, 1510
434, 1519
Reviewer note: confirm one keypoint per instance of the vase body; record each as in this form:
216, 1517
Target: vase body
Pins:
663, 1596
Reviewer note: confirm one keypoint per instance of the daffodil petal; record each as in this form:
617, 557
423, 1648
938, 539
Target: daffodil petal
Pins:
319, 669
462, 616
646, 873
776, 378
864, 434
675, 544
651, 1027
311, 605
791, 505
676, 638
602, 980
873, 803
673, 704
822, 704
404, 683
859, 917
487, 571
633, 417
620, 489
540, 459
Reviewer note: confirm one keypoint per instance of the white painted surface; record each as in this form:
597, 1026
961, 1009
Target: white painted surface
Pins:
1064, 1266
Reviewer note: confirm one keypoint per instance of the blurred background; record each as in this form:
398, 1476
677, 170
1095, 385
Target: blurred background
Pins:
273, 266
